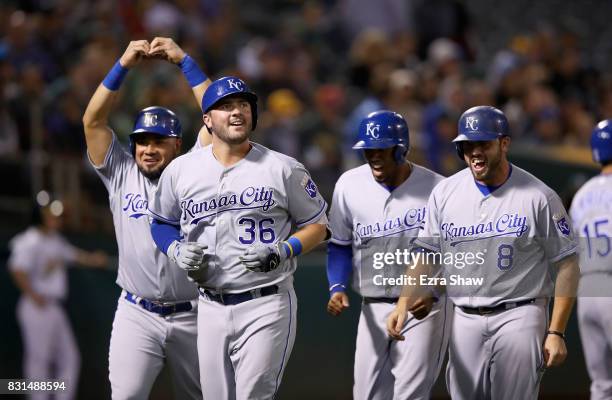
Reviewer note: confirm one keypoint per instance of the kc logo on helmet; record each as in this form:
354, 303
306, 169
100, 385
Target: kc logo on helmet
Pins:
235, 84
150, 119
471, 123
372, 130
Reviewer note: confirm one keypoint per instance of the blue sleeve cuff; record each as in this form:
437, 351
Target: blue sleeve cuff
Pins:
115, 77
339, 266
164, 234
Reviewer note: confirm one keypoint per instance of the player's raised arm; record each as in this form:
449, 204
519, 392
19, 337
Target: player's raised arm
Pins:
167, 49
98, 134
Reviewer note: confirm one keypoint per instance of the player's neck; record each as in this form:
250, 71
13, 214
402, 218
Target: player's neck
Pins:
229, 154
607, 170
402, 173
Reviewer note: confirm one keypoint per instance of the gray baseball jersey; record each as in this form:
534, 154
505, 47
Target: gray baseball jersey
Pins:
374, 220
143, 341
256, 200
591, 213
143, 269
379, 222
515, 234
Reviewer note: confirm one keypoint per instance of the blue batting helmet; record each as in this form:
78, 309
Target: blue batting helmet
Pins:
383, 129
601, 142
226, 87
155, 120
481, 123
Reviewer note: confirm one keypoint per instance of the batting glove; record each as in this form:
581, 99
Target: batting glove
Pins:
264, 258
188, 256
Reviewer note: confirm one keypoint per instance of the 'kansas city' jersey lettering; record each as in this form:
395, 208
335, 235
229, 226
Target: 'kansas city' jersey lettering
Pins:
251, 198
520, 230
260, 199
505, 225
410, 220
380, 222
143, 269
135, 205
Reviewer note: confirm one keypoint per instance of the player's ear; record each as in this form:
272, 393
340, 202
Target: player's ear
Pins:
178, 144
505, 143
207, 122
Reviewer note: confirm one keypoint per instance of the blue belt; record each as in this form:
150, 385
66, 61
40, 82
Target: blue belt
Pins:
162, 309
231, 299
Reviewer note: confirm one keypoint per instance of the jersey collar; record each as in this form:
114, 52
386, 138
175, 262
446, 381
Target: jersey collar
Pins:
487, 189
391, 189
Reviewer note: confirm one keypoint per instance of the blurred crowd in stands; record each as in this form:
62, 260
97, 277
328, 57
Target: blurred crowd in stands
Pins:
318, 66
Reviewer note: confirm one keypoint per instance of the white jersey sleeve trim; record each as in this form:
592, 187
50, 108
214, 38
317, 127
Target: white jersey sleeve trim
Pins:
163, 219
563, 254
309, 220
341, 242
426, 246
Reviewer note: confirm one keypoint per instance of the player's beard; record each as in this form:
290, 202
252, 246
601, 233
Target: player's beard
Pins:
233, 136
154, 173
492, 165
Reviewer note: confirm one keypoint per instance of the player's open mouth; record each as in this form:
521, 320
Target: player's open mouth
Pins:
150, 162
478, 165
237, 123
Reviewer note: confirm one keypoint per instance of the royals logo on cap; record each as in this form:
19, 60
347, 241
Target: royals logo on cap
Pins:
471, 123
373, 130
236, 84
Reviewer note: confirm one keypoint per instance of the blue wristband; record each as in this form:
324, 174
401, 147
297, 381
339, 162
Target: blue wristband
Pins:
115, 76
192, 71
292, 247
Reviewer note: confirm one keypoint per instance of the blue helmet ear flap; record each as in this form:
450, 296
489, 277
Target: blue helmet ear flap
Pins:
459, 148
399, 153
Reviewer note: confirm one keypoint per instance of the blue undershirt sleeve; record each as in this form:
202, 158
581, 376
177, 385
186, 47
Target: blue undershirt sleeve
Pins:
339, 266
164, 234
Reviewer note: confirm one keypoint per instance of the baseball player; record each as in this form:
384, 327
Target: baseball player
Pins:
391, 213
235, 203
156, 313
517, 234
38, 261
591, 213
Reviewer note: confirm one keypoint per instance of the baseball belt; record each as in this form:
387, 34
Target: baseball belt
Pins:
497, 308
388, 300
231, 299
163, 309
